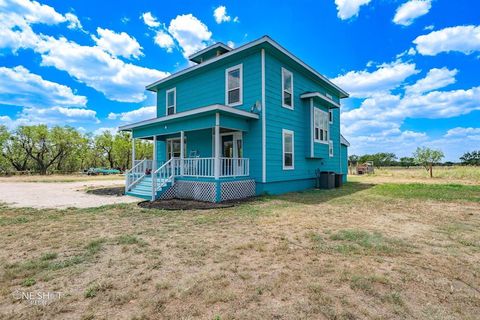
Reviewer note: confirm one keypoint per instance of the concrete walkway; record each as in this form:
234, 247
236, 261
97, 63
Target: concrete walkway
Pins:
58, 195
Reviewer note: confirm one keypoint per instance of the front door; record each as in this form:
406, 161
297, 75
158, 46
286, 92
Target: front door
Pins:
173, 148
232, 148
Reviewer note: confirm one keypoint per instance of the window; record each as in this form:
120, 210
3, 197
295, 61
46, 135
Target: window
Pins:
171, 101
234, 84
330, 116
288, 149
330, 148
287, 89
320, 126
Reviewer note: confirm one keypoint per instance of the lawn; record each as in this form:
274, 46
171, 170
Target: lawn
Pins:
369, 250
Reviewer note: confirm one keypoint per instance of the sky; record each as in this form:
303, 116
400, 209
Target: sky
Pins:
411, 66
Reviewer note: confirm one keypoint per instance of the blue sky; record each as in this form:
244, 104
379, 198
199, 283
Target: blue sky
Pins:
411, 66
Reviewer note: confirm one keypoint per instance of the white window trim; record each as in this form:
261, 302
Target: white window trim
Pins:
283, 89
330, 116
238, 66
174, 90
315, 110
285, 131
330, 148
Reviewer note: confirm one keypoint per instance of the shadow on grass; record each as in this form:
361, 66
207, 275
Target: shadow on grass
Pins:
315, 196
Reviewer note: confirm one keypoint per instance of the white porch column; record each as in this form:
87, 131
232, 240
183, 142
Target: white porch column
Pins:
133, 152
217, 146
182, 151
154, 168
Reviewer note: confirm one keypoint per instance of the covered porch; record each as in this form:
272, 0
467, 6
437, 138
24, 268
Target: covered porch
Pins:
196, 149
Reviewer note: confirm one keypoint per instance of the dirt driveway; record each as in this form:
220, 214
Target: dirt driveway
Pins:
58, 195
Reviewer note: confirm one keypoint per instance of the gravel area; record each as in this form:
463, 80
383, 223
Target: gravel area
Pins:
58, 195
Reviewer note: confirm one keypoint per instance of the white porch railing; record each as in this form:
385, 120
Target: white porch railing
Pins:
198, 167
163, 175
234, 167
187, 167
136, 174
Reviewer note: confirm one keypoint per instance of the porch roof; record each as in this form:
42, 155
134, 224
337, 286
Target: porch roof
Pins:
321, 97
190, 114
191, 120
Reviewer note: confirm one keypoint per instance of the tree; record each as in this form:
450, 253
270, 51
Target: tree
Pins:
122, 150
46, 147
427, 158
407, 162
471, 158
104, 142
13, 152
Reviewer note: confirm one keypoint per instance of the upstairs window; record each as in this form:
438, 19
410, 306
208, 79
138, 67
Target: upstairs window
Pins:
234, 84
287, 89
320, 127
330, 116
288, 149
171, 101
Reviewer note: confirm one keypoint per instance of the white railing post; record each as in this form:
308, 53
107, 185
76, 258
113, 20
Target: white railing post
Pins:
133, 151
154, 169
182, 151
217, 146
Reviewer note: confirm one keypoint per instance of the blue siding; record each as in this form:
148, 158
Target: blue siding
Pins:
208, 87
297, 120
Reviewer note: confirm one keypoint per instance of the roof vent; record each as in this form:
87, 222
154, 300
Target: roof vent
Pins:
210, 52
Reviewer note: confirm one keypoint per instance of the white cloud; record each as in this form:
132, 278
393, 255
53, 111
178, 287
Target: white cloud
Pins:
73, 21
349, 8
465, 39
220, 15
116, 79
231, 44
7, 122
140, 114
191, 34
20, 87
409, 11
164, 40
91, 65
435, 79
429, 27
34, 12
362, 84
150, 20
54, 116
99, 131
463, 132
118, 44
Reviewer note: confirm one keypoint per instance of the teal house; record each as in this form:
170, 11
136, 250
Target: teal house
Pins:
239, 122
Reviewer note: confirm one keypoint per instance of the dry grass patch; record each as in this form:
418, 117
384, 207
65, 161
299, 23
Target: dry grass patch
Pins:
352, 253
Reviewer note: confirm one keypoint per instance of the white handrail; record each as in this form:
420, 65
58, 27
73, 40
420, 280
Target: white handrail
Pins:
166, 173
130, 175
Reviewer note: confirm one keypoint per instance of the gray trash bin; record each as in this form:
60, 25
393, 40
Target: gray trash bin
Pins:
338, 180
327, 180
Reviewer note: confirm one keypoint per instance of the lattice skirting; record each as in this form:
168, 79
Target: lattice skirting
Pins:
207, 191
196, 190
237, 189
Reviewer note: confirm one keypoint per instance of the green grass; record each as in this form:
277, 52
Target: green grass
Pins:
439, 192
130, 239
353, 241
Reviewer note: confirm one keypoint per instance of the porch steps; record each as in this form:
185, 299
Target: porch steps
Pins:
143, 189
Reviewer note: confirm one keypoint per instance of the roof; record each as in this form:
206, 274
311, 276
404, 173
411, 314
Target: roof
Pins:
260, 41
194, 112
219, 46
321, 96
344, 141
